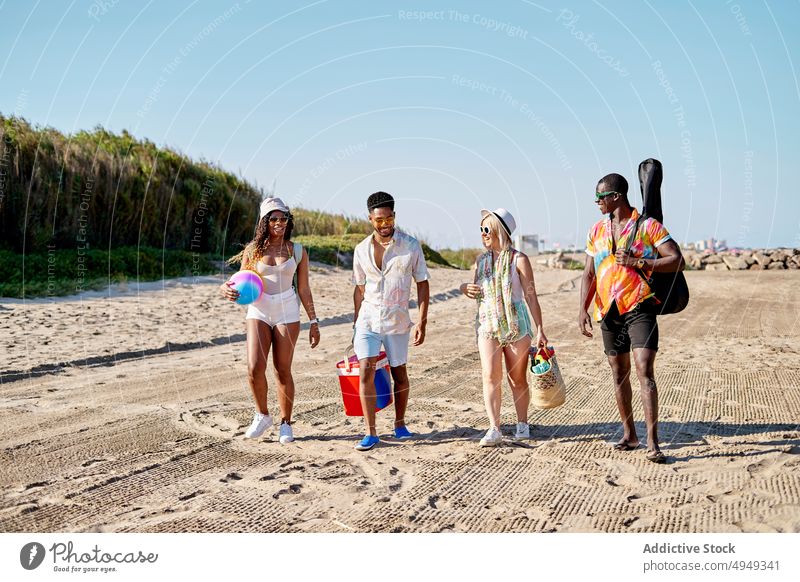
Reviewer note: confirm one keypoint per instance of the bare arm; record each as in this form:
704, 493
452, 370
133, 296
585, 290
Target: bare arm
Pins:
423, 300
304, 292
358, 298
304, 288
471, 290
525, 271
588, 288
670, 259
529, 288
229, 292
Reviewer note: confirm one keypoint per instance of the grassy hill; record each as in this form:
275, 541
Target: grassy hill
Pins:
84, 210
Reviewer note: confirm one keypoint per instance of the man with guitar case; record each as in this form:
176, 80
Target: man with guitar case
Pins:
628, 257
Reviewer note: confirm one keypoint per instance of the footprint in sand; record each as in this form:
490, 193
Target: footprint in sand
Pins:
292, 489
231, 477
220, 421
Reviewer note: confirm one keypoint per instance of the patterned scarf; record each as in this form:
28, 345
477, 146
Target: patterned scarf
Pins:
497, 315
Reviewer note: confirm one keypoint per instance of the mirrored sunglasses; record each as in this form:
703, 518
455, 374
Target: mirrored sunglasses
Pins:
385, 221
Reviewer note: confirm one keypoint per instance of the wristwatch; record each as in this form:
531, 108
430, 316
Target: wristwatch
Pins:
640, 263
313, 321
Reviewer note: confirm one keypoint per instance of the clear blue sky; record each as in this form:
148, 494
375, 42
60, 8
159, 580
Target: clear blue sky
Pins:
450, 106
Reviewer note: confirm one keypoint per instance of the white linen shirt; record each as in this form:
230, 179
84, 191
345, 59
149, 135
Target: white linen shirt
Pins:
387, 291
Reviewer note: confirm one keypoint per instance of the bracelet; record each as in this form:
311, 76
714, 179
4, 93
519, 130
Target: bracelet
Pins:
313, 321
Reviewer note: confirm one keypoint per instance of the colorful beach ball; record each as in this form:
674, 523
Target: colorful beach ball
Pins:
249, 285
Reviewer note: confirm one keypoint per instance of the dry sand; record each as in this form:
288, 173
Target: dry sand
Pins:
126, 413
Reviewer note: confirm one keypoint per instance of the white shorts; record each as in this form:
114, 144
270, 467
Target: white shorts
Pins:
276, 309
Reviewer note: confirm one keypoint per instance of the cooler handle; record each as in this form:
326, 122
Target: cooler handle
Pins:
347, 351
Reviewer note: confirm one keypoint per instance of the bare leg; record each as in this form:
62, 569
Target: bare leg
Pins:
621, 373
492, 369
367, 392
259, 339
284, 339
645, 359
401, 389
516, 356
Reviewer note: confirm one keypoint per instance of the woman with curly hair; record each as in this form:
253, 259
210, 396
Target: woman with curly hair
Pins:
273, 321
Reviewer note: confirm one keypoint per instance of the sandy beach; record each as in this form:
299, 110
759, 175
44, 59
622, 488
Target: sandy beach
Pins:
125, 411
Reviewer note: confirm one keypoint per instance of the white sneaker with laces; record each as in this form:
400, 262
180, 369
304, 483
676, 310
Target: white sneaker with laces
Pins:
493, 437
286, 433
261, 422
523, 431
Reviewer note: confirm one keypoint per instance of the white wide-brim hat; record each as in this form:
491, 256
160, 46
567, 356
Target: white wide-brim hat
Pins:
504, 216
270, 205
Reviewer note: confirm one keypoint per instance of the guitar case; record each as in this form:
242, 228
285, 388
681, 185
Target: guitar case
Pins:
670, 289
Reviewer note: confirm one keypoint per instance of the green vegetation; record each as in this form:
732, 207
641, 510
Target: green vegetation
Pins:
66, 272
574, 265
331, 250
103, 190
433, 257
316, 222
64, 196
338, 249
462, 258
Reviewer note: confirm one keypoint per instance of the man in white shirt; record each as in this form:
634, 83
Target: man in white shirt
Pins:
383, 265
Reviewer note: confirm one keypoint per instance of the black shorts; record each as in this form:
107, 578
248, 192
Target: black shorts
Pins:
636, 329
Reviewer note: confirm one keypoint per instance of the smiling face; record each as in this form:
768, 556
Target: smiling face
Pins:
277, 223
382, 220
608, 203
613, 189
610, 199
487, 238
497, 238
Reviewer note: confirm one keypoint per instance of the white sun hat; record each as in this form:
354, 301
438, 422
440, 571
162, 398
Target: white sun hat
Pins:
504, 216
271, 204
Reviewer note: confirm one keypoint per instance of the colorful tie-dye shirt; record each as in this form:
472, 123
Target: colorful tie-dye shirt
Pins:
615, 282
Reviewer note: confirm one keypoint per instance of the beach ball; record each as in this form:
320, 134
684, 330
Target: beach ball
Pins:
249, 285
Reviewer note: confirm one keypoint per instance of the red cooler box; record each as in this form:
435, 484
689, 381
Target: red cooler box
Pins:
348, 382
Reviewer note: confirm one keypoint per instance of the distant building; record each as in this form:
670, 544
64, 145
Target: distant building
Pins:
528, 244
709, 244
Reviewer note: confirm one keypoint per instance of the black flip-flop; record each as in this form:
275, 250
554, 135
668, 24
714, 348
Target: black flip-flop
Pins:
625, 446
656, 457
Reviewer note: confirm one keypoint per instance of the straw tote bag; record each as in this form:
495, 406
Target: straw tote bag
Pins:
548, 389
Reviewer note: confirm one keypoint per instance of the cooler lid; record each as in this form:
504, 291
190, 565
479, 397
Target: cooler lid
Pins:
383, 361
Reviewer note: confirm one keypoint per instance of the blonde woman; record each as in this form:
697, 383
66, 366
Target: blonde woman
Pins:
503, 284
273, 321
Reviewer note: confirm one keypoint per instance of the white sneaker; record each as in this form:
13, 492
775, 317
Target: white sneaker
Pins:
493, 437
286, 434
261, 422
523, 431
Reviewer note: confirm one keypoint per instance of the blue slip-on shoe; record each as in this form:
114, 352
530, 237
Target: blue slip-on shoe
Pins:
402, 432
367, 443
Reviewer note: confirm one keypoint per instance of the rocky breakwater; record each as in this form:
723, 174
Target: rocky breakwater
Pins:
764, 259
